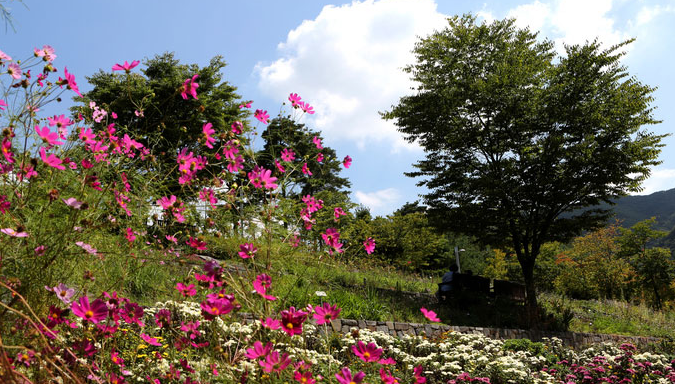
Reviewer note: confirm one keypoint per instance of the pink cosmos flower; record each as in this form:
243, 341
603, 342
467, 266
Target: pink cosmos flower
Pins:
317, 141
247, 250
190, 87
49, 137
25, 357
4, 204
387, 361
246, 105
126, 66
2, 104
87, 135
14, 70
207, 195
191, 329
163, 318
347, 162
7, 150
261, 284
131, 236
430, 315
13, 233
294, 99
150, 340
305, 170
387, 377
271, 323
258, 350
208, 130
280, 167
237, 127
47, 53
212, 308
274, 362
292, 320
369, 245
304, 377
325, 313
186, 290
337, 212
319, 157
196, 243
132, 313
345, 376
419, 379
63, 293
287, 155
87, 247
51, 160
94, 312
306, 108
70, 80
4, 56
368, 353
73, 203
262, 116
62, 123
261, 177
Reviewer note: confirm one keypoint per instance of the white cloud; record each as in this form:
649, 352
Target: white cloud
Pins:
382, 201
348, 62
660, 180
647, 14
532, 15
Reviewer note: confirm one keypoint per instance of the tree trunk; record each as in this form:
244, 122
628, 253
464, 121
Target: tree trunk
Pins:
527, 266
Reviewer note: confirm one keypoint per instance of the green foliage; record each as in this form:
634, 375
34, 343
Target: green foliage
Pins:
169, 123
516, 136
285, 133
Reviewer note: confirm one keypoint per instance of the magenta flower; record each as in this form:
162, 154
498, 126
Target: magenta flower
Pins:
247, 250
126, 66
368, 353
196, 243
47, 53
325, 313
274, 362
287, 155
262, 178
387, 377
245, 105
262, 116
95, 311
387, 361
319, 157
271, 323
347, 162
51, 160
306, 108
337, 212
190, 87
49, 137
4, 204
212, 308
292, 320
258, 350
208, 130
419, 379
131, 236
237, 127
26, 357
305, 170
294, 99
62, 123
345, 376
7, 150
304, 377
70, 80
261, 284
369, 245
2, 104
150, 340
430, 315
13, 233
317, 141
14, 70
186, 290
132, 313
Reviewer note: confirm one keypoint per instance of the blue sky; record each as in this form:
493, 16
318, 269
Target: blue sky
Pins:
343, 57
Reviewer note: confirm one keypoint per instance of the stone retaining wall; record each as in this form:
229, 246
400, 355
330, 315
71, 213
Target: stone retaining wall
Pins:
571, 339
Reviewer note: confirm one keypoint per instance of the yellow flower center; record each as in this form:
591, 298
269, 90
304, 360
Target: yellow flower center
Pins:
289, 325
89, 314
366, 354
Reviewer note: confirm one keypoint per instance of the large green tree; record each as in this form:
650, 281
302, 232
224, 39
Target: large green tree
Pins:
517, 138
169, 122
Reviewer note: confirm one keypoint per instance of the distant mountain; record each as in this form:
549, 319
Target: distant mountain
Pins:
631, 209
